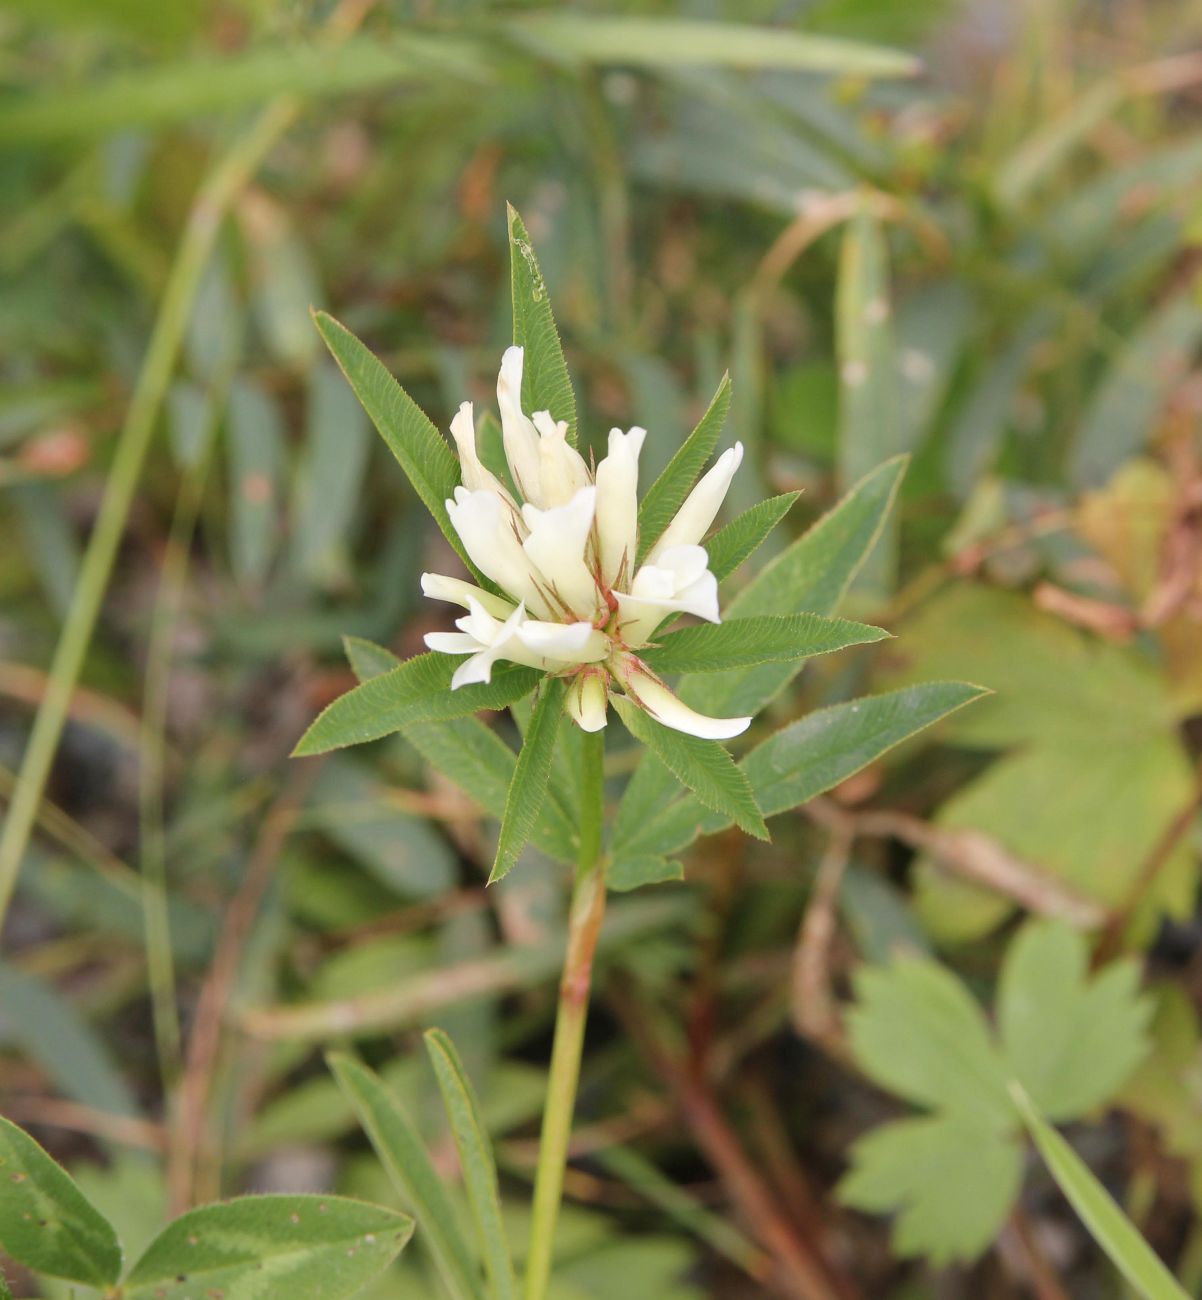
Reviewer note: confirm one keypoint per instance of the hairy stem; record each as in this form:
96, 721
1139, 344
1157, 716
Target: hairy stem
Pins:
584, 921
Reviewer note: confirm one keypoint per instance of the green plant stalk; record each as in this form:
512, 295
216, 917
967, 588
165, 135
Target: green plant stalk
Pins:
219, 189
585, 915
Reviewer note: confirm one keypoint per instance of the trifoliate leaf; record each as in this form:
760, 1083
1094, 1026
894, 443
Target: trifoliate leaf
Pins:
1069, 1039
917, 1031
950, 1178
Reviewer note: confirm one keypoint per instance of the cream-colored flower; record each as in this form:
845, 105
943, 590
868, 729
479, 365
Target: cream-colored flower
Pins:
563, 552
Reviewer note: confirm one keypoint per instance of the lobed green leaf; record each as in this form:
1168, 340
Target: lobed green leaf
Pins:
768, 638
476, 1160
418, 691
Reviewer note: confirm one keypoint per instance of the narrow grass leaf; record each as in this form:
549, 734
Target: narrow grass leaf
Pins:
1107, 1224
768, 638
476, 1160
404, 1156
704, 766
666, 495
422, 452
546, 384
654, 42
531, 774
302, 1247
732, 544
418, 691
46, 1222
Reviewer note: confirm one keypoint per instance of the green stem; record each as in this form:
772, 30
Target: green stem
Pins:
218, 191
584, 922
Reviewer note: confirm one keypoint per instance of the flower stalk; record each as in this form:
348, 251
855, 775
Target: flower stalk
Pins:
586, 912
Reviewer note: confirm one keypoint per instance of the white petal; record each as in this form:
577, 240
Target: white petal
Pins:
556, 547
474, 474
701, 506
498, 641
573, 643
679, 584
587, 700
517, 432
457, 592
452, 643
562, 470
487, 529
617, 504
652, 695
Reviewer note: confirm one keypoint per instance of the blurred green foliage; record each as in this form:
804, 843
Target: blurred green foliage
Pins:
967, 232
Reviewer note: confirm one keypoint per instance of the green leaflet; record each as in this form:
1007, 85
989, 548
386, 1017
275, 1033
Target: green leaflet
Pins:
46, 1222
732, 544
741, 642
470, 753
705, 766
1073, 1040
951, 1180
403, 1155
546, 384
422, 452
810, 575
418, 691
801, 761
476, 1161
531, 775
303, 1247
626, 873
666, 495
1107, 1224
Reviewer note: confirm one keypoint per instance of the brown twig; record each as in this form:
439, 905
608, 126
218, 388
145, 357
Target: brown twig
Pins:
190, 1128
813, 1006
127, 1130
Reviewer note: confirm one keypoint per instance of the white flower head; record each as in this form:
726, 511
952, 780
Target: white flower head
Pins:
571, 598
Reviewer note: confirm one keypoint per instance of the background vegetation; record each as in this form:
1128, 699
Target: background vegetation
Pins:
976, 246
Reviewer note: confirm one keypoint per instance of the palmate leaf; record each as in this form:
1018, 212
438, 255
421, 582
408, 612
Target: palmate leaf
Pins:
704, 766
951, 1180
546, 384
476, 1161
422, 452
46, 1222
404, 1156
304, 1247
531, 775
666, 495
732, 544
1070, 1039
418, 691
713, 647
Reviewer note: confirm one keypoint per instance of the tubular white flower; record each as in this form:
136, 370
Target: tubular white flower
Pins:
587, 700
678, 583
701, 505
485, 639
618, 506
654, 697
569, 643
556, 547
562, 470
457, 592
488, 530
474, 474
517, 432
